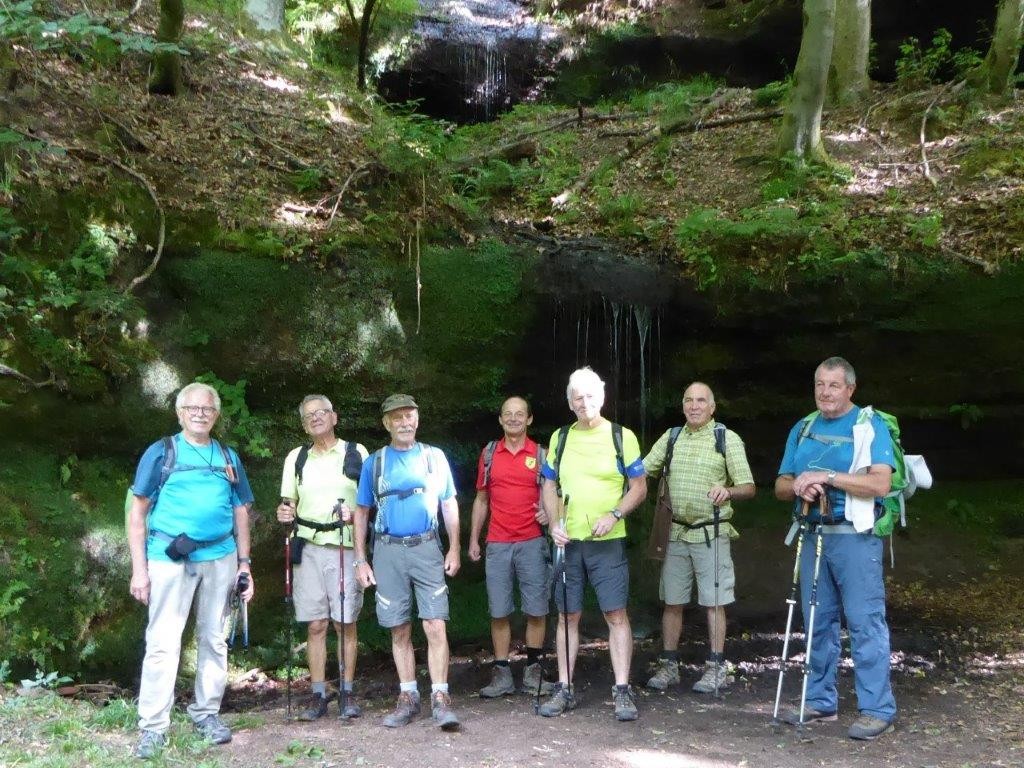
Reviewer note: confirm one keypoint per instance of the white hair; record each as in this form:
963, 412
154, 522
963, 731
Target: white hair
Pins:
310, 399
196, 386
583, 379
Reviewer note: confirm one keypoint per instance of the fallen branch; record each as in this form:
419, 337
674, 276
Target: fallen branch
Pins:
362, 170
100, 157
987, 267
296, 162
651, 136
127, 138
6, 370
924, 125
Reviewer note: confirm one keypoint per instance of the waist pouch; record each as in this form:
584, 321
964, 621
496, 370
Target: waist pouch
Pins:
298, 544
181, 546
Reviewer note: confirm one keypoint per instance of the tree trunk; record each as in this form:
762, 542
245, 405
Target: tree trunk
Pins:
996, 73
268, 15
167, 79
365, 27
848, 81
801, 126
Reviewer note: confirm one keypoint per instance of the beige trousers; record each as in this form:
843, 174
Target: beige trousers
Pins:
171, 594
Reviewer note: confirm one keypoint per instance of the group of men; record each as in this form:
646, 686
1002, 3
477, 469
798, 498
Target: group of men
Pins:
591, 477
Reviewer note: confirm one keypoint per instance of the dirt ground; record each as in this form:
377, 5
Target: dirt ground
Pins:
966, 715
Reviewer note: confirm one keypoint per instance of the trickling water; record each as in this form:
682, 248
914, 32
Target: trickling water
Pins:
643, 330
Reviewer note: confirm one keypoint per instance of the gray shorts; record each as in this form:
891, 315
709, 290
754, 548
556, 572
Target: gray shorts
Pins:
601, 563
685, 562
316, 590
401, 570
527, 561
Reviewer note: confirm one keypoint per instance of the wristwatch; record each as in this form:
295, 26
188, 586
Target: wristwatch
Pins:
831, 477
357, 563
245, 561
617, 513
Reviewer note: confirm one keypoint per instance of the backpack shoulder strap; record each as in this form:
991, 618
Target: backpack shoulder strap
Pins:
170, 457
352, 464
720, 438
805, 426
300, 462
229, 464
489, 450
673, 435
563, 435
378, 475
542, 456
620, 460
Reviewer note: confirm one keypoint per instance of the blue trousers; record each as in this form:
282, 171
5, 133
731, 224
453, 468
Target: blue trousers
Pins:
849, 581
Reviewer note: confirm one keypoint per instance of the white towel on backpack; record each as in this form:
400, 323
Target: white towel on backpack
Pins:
859, 510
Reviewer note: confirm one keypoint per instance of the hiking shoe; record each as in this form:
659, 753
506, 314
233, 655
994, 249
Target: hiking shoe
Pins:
533, 676
561, 701
213, 729
625, 707
666, 674
868, 727
351, 708
406, 709
315, 708
714, 673
792, 716
150, 745
441, 711
501, 682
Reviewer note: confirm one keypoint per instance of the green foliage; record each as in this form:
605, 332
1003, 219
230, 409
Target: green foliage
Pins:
69, 317
926, 230
495, 179
622, 212
674, 101
82, 33
307, 180
296, 751
408, 145
601, 71
237, 423
968, 413
772, 94
917, 67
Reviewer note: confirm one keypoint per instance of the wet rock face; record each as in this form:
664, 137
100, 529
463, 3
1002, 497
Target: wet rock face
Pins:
473, 59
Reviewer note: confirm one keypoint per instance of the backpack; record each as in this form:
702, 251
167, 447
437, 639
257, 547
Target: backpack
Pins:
563, 435
167, 468
909, 472
492, 446
379, 493
352, 464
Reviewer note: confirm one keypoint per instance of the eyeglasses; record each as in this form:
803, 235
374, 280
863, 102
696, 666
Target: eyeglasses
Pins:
514, 415
319, 413
195, 410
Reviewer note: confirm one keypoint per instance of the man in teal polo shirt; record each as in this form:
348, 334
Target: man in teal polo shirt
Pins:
188, 534
318, 482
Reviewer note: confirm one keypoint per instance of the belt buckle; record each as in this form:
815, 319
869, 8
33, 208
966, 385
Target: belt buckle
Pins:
412, 541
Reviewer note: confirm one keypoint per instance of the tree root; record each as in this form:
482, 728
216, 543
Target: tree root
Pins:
28, 381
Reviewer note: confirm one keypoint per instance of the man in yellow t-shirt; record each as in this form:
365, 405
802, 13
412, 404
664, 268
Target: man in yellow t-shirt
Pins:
596, 467
318, 487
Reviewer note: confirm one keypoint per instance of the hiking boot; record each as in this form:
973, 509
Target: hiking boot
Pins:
501, 682
625, 707
868, 727
351, 708
561, 701
533, 676
713, 673
406, 709
213, 729
441, 711
792, 716
315, 708
150, 745
666, 674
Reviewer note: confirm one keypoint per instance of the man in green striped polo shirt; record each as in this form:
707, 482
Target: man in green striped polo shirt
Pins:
700, 478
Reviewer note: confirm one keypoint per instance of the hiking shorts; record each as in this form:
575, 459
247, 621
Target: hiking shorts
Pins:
316, 589
601, 563
529, 562
403, 570
686, 562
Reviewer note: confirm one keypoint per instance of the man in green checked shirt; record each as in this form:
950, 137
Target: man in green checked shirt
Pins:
699, 479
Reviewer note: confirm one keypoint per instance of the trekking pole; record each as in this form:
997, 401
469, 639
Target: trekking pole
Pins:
565, 596
714, 618
341, 588
288, 604
239, 608
810, 627
791, 601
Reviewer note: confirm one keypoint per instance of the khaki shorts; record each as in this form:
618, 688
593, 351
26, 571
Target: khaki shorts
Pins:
316, 591
684, 562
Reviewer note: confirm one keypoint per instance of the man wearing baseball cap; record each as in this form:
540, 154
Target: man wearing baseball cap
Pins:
407, 482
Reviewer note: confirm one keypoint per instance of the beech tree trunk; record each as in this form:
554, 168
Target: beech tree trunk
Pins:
268, 15
801, 126
848, 80
167, 79
365, 28
996, 73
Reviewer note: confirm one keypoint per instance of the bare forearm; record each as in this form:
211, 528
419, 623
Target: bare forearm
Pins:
137, 532
741, 492
784, 488
480, 507
634, 496
242, 541
360, 523
450, 512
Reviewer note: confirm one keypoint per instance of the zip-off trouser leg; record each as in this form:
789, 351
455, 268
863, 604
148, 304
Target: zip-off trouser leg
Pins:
850, 582
171, 595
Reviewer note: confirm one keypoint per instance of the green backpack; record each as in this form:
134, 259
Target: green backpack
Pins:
905, 479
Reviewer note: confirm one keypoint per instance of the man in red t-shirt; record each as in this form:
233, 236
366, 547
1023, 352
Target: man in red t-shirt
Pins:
508, 489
